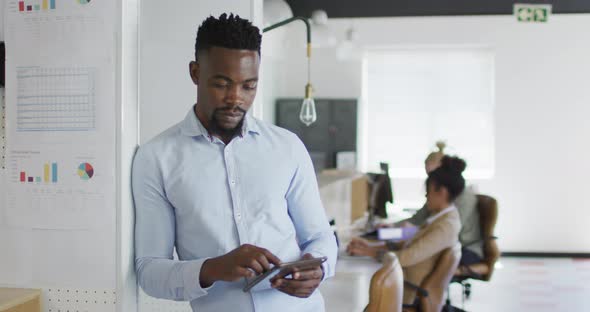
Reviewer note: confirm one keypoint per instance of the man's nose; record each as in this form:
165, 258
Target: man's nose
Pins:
234, 96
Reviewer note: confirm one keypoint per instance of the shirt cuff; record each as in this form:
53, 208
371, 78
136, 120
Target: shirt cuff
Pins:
191, 273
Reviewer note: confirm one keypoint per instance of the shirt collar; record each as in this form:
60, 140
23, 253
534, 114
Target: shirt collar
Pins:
250, 125
192, 126
431, 219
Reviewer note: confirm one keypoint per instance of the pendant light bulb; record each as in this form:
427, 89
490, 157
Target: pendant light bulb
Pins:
308, 115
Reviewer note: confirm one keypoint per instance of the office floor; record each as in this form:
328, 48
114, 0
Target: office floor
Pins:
531, 284
518, 284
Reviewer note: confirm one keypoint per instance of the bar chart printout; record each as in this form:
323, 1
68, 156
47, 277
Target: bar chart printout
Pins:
50, 173
26, 6
55, 99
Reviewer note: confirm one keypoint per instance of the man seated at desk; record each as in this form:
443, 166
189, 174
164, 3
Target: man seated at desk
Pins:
440, 231
466, 203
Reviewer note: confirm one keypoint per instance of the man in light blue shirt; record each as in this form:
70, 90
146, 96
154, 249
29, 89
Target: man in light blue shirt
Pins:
233, 194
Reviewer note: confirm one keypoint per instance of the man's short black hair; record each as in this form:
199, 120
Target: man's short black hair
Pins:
230, 32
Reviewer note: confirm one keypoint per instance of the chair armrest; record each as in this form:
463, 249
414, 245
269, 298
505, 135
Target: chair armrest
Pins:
423, 292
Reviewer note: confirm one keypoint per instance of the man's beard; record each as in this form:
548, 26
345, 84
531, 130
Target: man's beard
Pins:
218, 129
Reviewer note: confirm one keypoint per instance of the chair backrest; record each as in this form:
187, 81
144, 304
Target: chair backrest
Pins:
488, 216
387, 286
437, 281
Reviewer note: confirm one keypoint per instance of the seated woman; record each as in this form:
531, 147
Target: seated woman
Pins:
418, 255
466, 203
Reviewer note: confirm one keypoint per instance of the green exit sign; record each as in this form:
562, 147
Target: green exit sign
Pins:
532, 12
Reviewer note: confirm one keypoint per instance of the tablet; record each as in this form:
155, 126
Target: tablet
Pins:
299, 264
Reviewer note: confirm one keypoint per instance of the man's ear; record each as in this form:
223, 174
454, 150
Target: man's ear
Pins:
194, 69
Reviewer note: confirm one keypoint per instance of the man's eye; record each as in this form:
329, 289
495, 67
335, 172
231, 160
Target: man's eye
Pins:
250, 86
220, 85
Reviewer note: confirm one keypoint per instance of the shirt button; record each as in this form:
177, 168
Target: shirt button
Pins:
233, 182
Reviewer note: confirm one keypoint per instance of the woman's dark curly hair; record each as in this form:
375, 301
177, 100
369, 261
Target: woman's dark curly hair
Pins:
449, 175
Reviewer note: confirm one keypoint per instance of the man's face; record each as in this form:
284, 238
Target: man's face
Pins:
227, 80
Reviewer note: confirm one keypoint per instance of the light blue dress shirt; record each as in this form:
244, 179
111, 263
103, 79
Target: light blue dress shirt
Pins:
206, 198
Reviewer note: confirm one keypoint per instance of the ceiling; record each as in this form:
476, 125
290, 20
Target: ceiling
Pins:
384, 8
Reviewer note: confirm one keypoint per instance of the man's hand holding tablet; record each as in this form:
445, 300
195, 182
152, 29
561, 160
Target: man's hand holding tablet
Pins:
299, 278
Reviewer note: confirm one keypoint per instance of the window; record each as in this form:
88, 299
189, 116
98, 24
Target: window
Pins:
414, 97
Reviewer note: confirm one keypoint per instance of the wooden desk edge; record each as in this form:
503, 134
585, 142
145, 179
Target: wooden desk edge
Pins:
27, 295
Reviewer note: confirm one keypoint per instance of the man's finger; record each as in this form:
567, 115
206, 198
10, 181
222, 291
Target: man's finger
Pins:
304, 293
287, 283
271, 257
243, 272
253, 264
301, 293
311, 274
282, 274
261, 258
293, 286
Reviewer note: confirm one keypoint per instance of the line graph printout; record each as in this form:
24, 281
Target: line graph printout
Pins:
55, 99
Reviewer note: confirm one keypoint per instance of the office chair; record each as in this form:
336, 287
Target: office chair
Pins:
488, 215
431, 292
386, 289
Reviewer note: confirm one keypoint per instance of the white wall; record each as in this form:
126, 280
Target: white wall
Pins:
2, 4
167, 45
270, 68
542, 103
327, 76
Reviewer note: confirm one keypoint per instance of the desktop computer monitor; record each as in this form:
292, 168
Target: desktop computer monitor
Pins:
380, 193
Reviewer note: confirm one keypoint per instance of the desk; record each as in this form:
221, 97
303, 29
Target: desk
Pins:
348, 290
345, 196
20, 300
